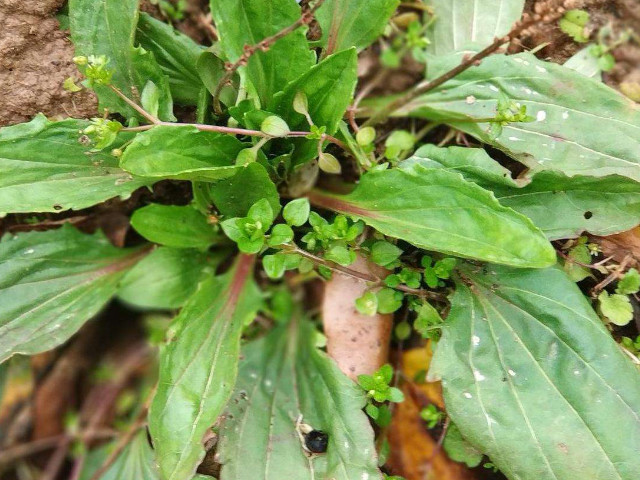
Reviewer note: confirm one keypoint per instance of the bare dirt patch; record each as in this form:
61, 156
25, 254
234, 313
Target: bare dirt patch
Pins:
621, 15
35, 59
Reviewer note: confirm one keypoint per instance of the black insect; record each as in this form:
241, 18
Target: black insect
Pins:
316, 441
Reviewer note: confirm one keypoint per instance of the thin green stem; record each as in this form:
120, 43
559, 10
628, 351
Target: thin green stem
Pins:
375, 281
135, 106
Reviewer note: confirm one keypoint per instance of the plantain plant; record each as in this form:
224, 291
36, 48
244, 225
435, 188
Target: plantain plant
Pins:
292, 177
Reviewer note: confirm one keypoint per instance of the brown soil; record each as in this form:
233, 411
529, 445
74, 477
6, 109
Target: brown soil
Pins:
196, 22
35, 59
621, 14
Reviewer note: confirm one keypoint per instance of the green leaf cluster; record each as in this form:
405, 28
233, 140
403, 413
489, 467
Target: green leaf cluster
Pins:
379, 391
457, 243
431, 415
250, 232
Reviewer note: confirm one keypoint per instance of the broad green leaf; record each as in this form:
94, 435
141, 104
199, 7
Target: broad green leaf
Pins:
198, 367
234, 196
471, 24
44, 167
329, 89
533, 378
135, 462
182, 153
176, 54
283, 377
561, 206
248, 22
166, 278
353, 23
565, 104
108, 27
174, 226
52, 282
439, 210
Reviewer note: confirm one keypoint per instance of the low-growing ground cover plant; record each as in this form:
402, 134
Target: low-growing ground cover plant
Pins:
458, 213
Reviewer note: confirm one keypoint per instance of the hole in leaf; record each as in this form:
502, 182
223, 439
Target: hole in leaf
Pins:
588, 214
316, 441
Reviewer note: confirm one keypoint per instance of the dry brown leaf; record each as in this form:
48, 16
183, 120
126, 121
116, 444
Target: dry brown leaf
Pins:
415, 362
622, 244
631, 90
412, 448
49, 408
415, 454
